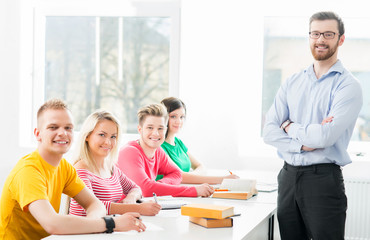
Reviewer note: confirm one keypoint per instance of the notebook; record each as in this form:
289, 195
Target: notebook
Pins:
166, 202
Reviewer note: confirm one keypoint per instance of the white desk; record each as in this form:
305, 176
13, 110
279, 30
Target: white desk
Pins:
253, 224
257, 217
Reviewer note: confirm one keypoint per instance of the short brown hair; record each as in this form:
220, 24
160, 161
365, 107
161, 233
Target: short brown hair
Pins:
55, 104
329, 16
157, 110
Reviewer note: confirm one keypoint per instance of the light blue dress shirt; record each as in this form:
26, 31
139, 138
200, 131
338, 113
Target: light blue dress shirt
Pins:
306, 101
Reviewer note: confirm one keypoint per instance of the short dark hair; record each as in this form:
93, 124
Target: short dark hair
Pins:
329, 16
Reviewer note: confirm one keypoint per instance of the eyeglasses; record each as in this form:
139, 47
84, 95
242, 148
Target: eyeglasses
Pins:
327, 35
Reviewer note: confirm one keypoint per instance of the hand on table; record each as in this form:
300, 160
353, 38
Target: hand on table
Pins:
204, 190
149, 208
129, 221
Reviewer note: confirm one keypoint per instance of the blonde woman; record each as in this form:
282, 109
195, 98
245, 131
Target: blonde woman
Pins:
95, 160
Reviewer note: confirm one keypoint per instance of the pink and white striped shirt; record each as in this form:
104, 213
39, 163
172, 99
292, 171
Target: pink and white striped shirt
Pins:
108, 190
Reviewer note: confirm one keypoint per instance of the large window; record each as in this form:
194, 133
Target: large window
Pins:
115, 63
102, 57
287, 52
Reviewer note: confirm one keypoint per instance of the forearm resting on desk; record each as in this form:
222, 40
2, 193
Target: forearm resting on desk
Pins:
146, 208
93, 206
54, 223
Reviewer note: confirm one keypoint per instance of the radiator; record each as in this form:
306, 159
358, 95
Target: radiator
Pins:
358, 212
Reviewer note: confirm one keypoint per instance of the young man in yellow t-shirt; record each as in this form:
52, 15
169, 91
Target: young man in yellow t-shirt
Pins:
31, 195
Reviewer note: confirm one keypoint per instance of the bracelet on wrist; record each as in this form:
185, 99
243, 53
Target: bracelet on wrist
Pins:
110, 224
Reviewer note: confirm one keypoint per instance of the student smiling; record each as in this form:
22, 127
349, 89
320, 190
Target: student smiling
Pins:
144, 159
96, 156
32, 192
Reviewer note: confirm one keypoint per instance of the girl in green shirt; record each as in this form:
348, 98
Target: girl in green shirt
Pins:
178, 152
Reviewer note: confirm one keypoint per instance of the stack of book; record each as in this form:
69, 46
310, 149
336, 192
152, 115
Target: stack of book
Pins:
208, 215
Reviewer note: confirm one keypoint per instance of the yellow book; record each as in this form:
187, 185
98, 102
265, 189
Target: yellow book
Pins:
212, 223
207, 211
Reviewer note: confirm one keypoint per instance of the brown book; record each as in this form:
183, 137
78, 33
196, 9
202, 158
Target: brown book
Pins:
207, 211
211, 222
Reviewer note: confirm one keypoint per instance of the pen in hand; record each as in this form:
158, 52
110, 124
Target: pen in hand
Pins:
230, 172
155, 198
221, 190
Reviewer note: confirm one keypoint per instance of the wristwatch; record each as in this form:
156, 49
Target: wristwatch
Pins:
285, 124
109, 223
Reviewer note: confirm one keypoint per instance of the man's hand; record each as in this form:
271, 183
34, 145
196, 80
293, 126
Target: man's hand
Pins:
307, 149
286, 129
327, 120
204, 190
129, 221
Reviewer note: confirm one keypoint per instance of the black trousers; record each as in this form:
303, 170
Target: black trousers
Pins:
312, 203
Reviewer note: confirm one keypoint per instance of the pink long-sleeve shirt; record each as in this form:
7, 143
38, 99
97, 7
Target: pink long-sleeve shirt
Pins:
143, 171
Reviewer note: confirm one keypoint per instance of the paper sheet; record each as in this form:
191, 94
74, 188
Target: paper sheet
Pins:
150, 227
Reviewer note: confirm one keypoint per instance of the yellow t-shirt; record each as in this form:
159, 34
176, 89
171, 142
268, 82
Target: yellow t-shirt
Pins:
30, 180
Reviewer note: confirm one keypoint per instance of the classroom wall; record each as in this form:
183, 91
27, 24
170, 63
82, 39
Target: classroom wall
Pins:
9, 85
220, 78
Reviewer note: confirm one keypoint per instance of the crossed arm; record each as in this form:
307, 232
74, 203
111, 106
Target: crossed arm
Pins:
344, 107
305, 148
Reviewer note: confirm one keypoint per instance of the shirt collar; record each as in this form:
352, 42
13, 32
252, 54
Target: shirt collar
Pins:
337, 67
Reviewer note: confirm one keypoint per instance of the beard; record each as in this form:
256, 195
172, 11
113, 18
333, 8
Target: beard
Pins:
321, 57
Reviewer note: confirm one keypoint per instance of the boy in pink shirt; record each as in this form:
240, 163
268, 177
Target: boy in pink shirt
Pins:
144, 159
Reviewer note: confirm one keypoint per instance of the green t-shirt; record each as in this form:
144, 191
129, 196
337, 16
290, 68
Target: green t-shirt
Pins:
178, 155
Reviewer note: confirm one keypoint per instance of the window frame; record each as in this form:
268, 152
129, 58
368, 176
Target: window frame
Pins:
32, 66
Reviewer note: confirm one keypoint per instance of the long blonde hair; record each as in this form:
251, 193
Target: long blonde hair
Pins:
83, 153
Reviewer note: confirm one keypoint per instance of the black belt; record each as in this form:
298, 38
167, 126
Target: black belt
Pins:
313, 167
